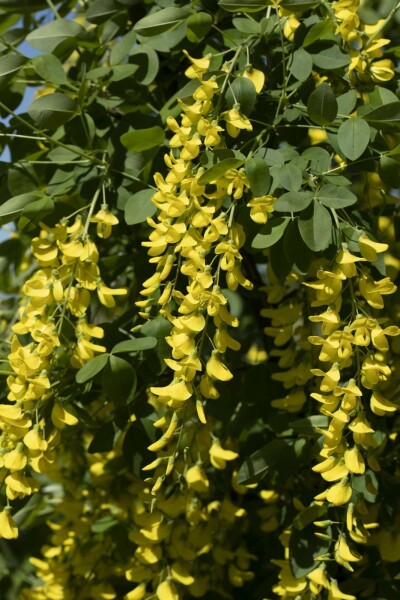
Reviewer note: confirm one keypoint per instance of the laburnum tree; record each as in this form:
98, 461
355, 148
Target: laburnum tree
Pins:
200, 372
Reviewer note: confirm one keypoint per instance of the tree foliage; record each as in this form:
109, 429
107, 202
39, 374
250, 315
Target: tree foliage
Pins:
199, 342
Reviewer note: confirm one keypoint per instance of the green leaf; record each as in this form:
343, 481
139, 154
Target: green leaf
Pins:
52, 110
246, 25
159, 328
50, 68
161, 21
315, 226
293, 201
104, 523
334, 196
320, 159
91, 368
243, 6
331, 58
257, 173
105, 438
389, 113
347, 102
122, 48
146, 58
322, 107
100, 11
137, 345
243, 92
304, 549
301, 65
309, 515
270, 233
389, 171
119, 380
51, 35
198, 25
321, 30
277, 455
139, 140
353, 137
138, 437
299, 5
290, 177
10, 64
139, 207
35, 211
12, 208
218, 170
307, 425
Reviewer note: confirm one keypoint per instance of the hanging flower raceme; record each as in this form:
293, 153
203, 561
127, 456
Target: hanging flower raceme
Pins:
356, 368
60, 289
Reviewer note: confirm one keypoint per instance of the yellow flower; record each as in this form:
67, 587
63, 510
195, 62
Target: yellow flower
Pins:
105, 221
260, 208
167, 591
8, 529
382, 70
236, 121
219, 456
256, 76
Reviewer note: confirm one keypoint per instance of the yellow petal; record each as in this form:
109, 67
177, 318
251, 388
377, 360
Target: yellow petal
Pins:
167, 591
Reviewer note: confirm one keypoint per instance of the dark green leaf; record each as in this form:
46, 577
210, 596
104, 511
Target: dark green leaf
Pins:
198, 25
275, 456
301, 65
139, 207
270, 233
242, 91
320, 30
389, 170
389, 113
218, 170
257, 173
137, 345
139, 436
320, 159
159, 328
52, 110
122, 48
299, 5
139, 140
305, 548
290, 177
119, 380
35, 211
161, 21
50, 68
322, 106
243, 6
315, 226
12, 208
336, 197
91, 368
331, 58
307, 425
246, 25
49, 36
293, 201
105, 438
353, 137
309, 515
347, 102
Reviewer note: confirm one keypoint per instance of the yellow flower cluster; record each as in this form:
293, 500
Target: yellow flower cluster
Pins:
196, 235
354, 383
366, 46
58, 290
186, 542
